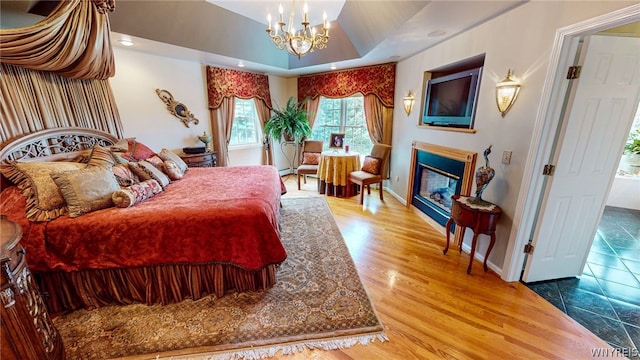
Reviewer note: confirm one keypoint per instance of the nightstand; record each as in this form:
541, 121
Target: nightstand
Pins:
27, 331
205, 159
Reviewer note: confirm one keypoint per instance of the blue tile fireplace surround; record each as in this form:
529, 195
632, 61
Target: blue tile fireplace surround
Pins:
436, 179
437, 173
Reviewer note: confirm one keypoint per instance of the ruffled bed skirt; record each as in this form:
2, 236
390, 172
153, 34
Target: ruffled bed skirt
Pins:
161, 284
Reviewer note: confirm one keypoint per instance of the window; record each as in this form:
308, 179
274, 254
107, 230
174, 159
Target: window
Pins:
346, 116
246, 129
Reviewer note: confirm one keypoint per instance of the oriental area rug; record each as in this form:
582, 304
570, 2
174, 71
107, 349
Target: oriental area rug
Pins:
318, 302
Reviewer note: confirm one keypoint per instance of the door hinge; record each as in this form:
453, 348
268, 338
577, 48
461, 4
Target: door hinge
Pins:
574, 72
528, 249
549, 170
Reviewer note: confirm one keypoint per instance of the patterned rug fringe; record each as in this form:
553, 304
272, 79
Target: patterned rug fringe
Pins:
286, 349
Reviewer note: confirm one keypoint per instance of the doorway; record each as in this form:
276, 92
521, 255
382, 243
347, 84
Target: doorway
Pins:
605, 298
543, 145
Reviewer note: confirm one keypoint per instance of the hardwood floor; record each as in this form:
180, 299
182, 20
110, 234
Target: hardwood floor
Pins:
429, 306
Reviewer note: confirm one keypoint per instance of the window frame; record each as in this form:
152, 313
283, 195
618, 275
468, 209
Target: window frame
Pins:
257, 126
343, 126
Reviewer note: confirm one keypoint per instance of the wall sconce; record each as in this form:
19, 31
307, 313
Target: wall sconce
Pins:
408, 102
506, 93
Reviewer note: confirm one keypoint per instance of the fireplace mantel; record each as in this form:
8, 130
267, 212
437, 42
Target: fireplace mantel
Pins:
468, 158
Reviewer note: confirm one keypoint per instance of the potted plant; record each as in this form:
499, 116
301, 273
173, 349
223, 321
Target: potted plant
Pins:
290, 122
631, 153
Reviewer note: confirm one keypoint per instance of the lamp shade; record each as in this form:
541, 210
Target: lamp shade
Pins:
506, 93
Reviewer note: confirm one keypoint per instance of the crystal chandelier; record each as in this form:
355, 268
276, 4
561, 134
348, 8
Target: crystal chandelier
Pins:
298, 42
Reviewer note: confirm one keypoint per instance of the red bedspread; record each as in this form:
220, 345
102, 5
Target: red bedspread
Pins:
226, 215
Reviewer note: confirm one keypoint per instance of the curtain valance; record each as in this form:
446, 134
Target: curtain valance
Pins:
73, 41
377, 80
223, 83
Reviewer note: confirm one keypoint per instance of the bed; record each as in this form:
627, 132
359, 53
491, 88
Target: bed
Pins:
213, 231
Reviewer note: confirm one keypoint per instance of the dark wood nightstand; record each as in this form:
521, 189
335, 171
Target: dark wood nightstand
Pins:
205, 159
27, 331
482, 219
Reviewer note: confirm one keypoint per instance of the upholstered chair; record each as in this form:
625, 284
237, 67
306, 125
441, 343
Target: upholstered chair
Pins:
372, 172
309, 159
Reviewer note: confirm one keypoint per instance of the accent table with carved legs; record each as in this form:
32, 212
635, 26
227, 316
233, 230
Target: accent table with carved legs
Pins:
481, 218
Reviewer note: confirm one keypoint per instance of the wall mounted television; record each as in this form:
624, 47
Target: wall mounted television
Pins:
450, 100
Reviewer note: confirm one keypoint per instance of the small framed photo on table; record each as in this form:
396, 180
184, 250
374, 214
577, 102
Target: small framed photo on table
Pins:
336, 141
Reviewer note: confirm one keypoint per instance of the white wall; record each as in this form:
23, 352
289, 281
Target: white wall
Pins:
281, 89
520, 40
143, 114
146, 117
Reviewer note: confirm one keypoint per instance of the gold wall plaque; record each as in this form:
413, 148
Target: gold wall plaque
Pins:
176, 108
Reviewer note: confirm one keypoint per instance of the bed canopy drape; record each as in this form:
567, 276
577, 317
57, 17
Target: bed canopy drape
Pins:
74, 41
223, 86
54, 73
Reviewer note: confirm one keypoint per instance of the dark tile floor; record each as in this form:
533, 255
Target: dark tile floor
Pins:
606, 297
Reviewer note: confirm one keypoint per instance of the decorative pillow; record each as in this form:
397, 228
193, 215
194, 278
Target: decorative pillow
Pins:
119, 157
86, 190
100, 157
137, 151
310, 158
170, 155
146, 171
156, 161
371, 165
45, 202
124, 175
136, 193
122, 145
173, 170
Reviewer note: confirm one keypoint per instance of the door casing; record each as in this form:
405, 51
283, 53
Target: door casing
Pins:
566, 45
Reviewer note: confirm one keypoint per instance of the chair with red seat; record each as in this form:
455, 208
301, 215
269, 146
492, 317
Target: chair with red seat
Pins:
372, 172
308, 159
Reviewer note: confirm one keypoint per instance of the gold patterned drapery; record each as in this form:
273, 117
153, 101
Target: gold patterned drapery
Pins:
223, 86
223, 83
377, 80
73, 41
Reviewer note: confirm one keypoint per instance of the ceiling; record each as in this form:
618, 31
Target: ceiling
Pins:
229, 32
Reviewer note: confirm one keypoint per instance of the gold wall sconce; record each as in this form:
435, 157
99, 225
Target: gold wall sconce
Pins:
506, 93
408, 102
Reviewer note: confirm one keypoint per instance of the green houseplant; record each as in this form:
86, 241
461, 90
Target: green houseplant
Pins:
631, 158
633, 143
290, 122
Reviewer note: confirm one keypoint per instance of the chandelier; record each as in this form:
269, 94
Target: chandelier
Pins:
298, 42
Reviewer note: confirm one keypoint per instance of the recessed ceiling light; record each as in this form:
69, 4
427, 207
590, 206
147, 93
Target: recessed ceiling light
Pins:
240, 64
125, 42
436, 33
333, 66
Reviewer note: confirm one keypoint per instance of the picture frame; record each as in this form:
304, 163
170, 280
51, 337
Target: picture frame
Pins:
336, 141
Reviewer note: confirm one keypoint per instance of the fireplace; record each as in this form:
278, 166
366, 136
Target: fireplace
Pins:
437, 173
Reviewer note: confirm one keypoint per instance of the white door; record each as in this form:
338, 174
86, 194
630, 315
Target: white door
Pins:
594, 133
